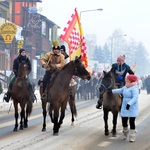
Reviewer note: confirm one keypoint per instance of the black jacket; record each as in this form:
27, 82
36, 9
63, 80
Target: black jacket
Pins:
16, 64
120, 72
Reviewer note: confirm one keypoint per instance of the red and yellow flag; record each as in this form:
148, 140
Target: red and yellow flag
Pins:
134, 67
74, 36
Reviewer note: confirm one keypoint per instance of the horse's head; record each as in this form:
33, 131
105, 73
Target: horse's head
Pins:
107, 82
23, 68
80, 70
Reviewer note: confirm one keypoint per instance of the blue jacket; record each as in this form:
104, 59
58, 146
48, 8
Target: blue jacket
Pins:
130, 96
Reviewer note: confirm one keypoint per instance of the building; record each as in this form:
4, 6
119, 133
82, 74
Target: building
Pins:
35, 33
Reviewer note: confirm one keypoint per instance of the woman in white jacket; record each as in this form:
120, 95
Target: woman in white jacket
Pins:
129, 108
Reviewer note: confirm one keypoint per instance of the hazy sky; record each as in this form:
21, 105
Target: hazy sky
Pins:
131, 16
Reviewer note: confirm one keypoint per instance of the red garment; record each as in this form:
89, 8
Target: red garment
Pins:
132, 78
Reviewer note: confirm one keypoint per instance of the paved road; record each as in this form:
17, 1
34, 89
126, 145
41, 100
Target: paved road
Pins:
88, 134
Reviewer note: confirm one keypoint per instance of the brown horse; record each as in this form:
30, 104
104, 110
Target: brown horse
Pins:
21, 95
58, 93
70, 99
111, 102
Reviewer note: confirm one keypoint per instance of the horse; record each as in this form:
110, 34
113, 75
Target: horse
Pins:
111, 102
58, 92
21, 95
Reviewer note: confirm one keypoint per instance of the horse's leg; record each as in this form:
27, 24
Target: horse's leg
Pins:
56, 115
106, 112
62, 116
115, 116
16, 115
73, 110
28, 112
44, 115
51, 112
26, 118
22, 115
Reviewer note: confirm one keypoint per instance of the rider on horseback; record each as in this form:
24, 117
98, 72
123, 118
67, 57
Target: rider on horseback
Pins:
119, 69
21, 57
52, 61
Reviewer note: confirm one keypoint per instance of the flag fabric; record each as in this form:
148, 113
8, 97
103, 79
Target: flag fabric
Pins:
73, 35
134, 67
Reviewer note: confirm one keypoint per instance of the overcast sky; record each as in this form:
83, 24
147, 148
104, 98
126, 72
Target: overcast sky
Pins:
131, 16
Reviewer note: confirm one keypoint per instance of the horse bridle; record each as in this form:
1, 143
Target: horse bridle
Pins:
104, 87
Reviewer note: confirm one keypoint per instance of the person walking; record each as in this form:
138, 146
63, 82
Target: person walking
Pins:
147, 84
52, 61
119, 70
129, 107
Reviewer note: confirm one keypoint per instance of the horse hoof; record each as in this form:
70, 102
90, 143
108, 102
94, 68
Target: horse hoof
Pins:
25, 126
21, 128
44, 129
114, 134
72, 124
15, 129
55, 134
107, 133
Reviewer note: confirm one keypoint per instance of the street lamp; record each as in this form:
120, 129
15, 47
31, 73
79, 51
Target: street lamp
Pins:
99, 9
112, 44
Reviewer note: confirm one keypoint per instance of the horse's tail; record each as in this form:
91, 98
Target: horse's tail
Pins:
29, 107
73, 107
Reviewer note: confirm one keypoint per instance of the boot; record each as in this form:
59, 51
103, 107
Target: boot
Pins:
125, 132
132, 136
99, 104
7, 96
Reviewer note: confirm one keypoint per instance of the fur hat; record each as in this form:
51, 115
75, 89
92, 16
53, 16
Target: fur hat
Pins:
21, 50
56, 45
63, 48
132, 78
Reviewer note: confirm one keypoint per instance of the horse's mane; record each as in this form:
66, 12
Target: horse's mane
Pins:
113, 79
67, 65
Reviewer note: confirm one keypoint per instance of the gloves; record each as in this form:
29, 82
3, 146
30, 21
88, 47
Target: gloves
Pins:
128, 106
45, 66
109, 90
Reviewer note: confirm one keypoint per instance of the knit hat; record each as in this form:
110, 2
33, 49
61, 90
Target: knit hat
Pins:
132, 78
62, 48
21, 50
121, 58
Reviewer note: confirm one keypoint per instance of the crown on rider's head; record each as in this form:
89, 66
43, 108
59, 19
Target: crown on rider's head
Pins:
56, 45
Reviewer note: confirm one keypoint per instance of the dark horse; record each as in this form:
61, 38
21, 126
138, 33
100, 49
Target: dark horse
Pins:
21, 95
58, 93
71, 101
111, 102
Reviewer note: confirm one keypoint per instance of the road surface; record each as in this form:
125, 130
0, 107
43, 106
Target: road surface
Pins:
86, 134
